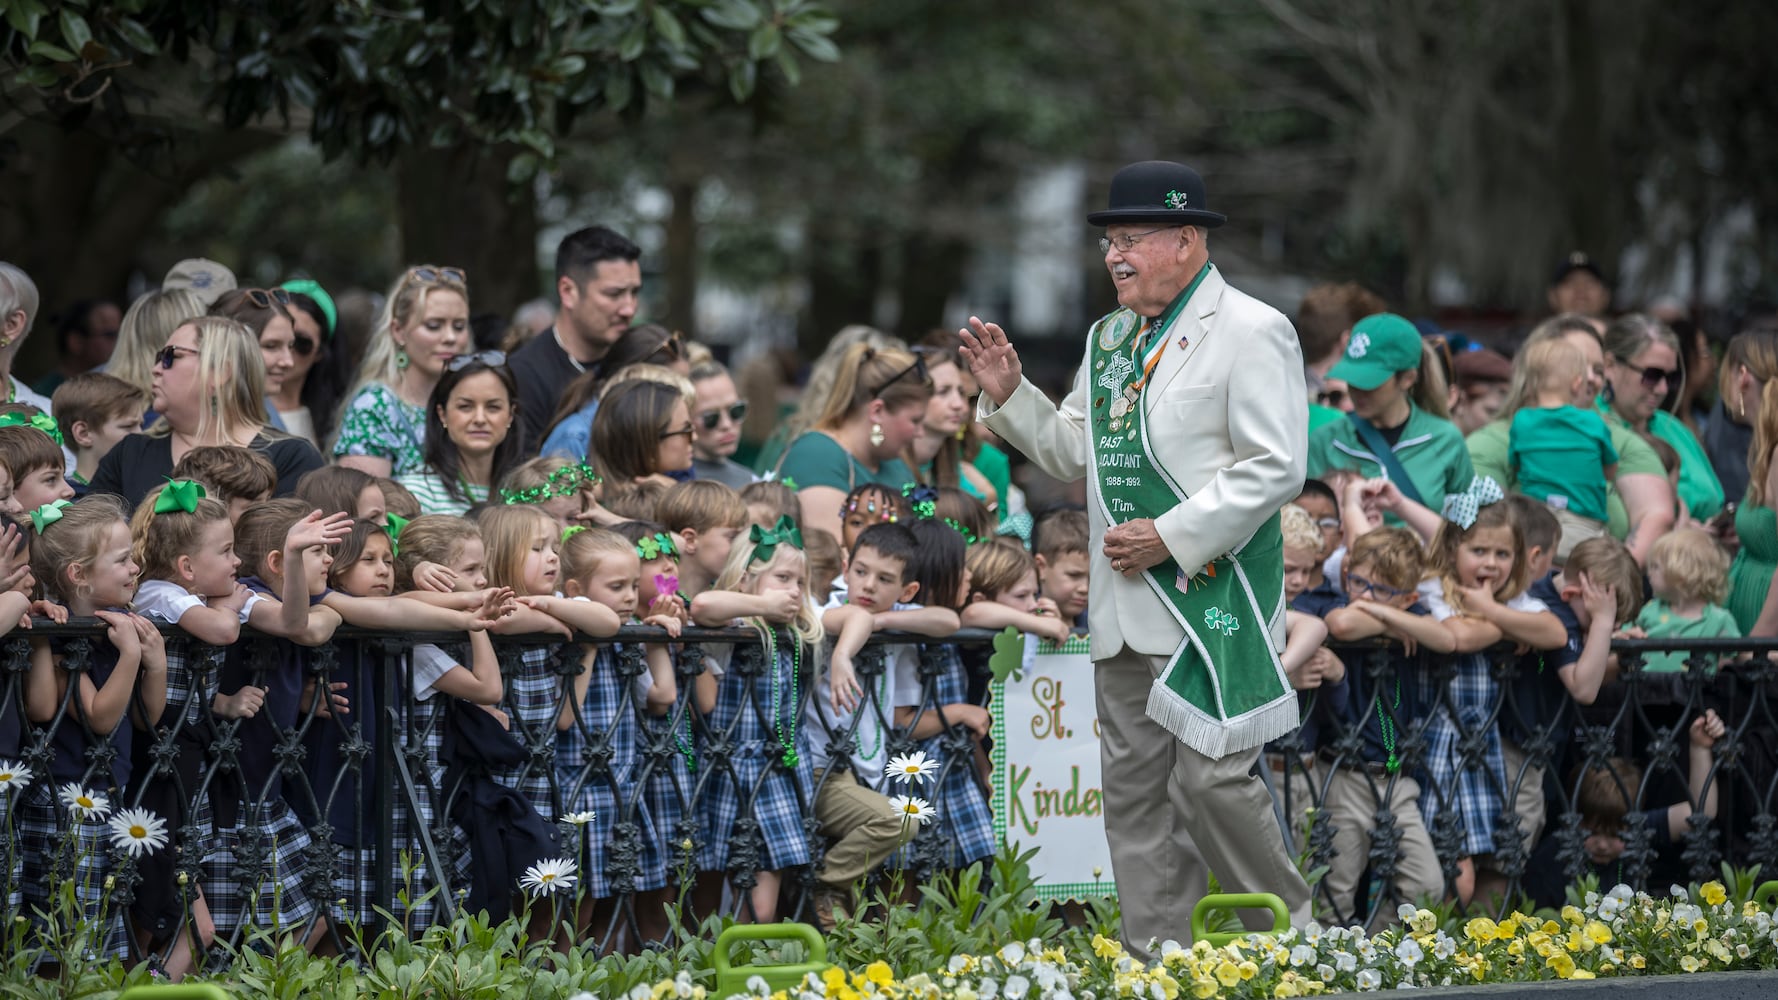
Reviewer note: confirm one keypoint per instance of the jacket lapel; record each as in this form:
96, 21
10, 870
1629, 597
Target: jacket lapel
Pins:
1193, 324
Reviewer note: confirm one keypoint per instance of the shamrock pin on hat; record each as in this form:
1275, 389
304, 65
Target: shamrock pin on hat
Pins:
1160, 192
1382, 345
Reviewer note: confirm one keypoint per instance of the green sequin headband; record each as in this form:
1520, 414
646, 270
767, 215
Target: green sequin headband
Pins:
564, 482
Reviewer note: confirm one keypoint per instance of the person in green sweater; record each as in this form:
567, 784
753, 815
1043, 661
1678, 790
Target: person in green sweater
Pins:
1643, 368
1398, 428
1560, 451
1639, 503
1689, 575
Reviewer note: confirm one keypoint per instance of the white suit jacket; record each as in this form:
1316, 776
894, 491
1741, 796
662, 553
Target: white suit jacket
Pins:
1227, 419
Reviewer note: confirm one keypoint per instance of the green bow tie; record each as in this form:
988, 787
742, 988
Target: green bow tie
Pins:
179, 495
47, 514
765, 543
42, 421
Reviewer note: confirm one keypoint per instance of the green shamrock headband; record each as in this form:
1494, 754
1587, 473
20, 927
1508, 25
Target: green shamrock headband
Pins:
47, 514
564, 482
765, 543
42, 421
179, 496
655, 546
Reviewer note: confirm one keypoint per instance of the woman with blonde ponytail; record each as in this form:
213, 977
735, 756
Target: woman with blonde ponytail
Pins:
1750, 391
871, 414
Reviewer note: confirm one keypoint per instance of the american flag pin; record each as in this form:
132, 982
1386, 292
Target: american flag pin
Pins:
1185, 342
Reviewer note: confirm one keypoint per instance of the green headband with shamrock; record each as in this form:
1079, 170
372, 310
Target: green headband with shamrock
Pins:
564, 482
42, 421
656, 545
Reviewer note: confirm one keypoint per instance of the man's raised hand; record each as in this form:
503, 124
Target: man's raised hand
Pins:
992, 359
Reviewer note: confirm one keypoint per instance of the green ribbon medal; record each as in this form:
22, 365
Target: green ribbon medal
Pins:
1224, 689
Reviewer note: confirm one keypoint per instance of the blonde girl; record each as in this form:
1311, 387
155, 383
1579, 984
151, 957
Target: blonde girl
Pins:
755, 709
1689, 575
562, 489
81, 557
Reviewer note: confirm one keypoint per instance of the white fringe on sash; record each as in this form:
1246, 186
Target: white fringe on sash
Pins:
1213, 737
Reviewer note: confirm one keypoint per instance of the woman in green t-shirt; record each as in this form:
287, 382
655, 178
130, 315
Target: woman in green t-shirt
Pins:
1750, 392
871, 415
1640, 507
1642, 369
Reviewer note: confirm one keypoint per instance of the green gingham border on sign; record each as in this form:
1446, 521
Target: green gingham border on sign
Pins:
1065, 892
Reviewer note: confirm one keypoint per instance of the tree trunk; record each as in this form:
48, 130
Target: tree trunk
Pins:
682, 260
457, 210
931, 271
843, 282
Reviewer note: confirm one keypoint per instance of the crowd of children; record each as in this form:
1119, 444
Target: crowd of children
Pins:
248, 770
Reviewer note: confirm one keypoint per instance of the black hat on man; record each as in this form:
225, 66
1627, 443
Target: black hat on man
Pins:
1577, 261
1158, 191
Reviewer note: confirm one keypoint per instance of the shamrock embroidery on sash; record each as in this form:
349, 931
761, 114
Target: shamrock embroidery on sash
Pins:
1218, 620
1117, 372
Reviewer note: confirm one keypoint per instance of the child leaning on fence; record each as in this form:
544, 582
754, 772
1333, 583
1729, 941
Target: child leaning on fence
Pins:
1475, 587
94, 695
1382, 570
1689, 574
754, 800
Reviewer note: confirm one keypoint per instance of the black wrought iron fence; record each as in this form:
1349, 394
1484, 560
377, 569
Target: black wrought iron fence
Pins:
358, 792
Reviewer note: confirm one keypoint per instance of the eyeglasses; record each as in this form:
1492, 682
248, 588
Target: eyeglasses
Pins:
1331, 397
1356, 584
686, 430
302, 345
169, 355
917, 369
493, 359
262, 298
736, 412
1652, 377
429, 274
1127, 242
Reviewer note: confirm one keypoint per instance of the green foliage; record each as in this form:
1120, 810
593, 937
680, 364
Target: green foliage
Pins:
371, 80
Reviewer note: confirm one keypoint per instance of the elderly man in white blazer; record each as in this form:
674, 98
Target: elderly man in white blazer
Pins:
1187, 419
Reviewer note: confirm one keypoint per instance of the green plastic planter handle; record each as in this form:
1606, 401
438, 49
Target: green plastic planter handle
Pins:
731, 980
1238, 901
175, 991
1765, 894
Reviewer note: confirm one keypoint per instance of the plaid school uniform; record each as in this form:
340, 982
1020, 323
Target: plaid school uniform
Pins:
533, 700
58, 849
596, 764
752, 799
965, 820
667, 762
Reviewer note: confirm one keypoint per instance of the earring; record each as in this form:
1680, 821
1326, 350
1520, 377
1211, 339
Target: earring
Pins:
401, 359
876, 435
5, 342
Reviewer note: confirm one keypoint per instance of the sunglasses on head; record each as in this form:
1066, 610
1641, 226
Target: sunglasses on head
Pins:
262, 298
430, 273
736, 412
917, 369
493, 359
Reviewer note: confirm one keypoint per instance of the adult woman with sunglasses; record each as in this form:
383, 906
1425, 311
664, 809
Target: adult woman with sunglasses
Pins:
424, 324
1642, 368
571, 426
208, 385
716, 427
872, 413
1639, 502
642, 431
471, 436
311, 391
266, 312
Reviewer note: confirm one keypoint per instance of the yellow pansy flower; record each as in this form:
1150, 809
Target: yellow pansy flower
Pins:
1481, 929
879, 972
1228, 973
1561, 964
1105, 947
1571, 915
1690, 963
1600, 933
1203, 989
1638, 962
1713, 893
1248, 969
1581, 974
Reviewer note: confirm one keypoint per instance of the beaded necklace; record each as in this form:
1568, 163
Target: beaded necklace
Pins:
790, 757
1386, 723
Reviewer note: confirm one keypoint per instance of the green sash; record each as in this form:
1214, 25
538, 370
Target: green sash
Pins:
1224, 689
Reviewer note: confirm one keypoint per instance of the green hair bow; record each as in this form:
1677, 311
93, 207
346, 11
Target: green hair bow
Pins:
179, 495
42, 421
47, 514
656, 545
765, 543
571, 531
392, 527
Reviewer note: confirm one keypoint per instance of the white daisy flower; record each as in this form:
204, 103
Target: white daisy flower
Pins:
910, 808
84, 804
579, 818
911, 767
549, 877
14, 776
138, 831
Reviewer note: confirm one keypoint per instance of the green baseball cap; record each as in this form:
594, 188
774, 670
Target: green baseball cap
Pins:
1382, 345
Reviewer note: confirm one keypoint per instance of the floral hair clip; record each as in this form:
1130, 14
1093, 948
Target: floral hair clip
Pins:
564, 482
656, 546
923, 498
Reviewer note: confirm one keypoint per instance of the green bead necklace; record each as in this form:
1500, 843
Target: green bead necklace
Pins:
1386, 723
790, 757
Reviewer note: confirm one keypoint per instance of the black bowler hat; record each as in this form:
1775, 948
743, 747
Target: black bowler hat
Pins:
1158, 191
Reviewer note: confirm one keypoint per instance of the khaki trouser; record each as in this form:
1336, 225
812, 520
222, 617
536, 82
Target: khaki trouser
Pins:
1575, 530
1351, 805
1162, 798
862, 825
